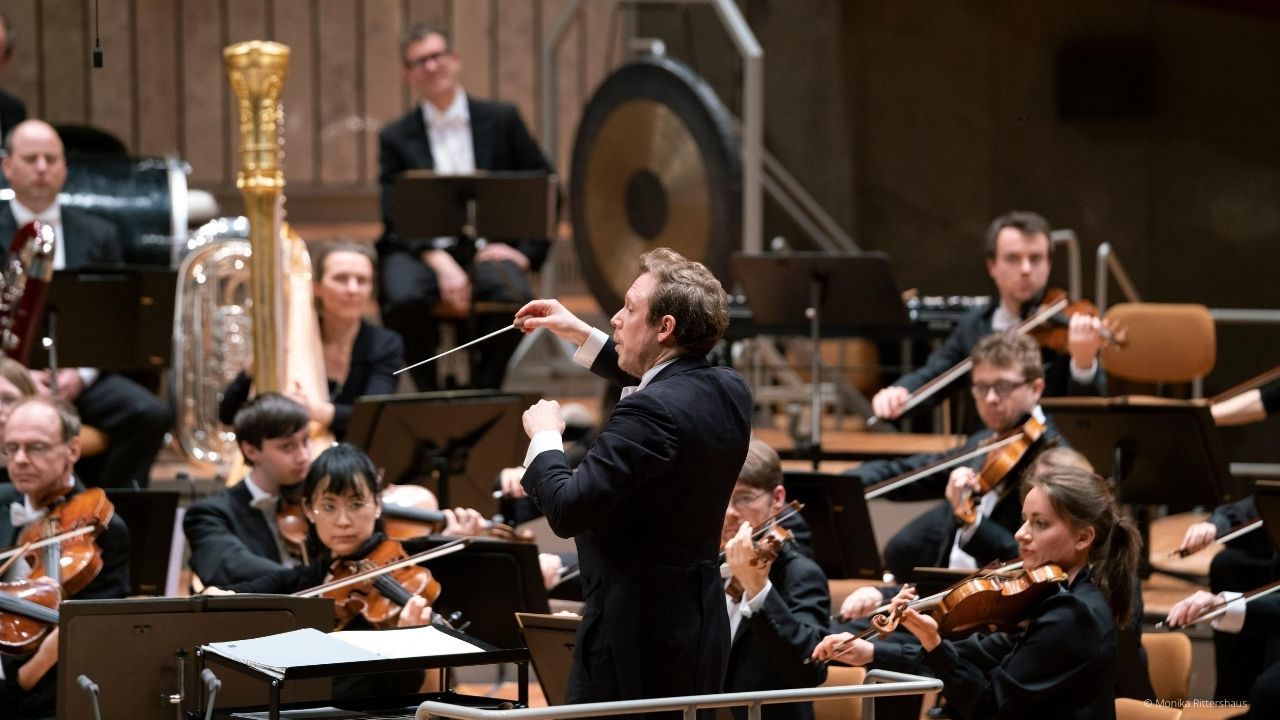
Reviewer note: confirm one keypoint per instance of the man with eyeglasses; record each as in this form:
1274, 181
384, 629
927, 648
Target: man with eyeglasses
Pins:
42, 443
1008, 380
452, 133
1018, 260
783, 605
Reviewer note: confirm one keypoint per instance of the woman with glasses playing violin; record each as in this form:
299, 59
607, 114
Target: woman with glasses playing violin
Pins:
341, 501
777, 598
1063, 663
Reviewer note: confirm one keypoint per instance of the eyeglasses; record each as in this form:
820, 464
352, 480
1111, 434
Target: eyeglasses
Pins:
352, 507
1003, 388
35, 450
741, 501
423, 60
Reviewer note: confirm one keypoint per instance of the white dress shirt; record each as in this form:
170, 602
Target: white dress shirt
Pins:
449, 131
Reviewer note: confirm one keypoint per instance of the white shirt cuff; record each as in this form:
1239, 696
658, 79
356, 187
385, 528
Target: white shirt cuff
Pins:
88, 375
1232, 618
1084, 377
541, 442
752, 606
590, 350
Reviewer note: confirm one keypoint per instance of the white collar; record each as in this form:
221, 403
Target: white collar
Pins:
652, 372
459, 111
23, 214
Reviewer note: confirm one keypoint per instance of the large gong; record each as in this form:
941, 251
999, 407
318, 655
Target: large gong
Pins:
655, 164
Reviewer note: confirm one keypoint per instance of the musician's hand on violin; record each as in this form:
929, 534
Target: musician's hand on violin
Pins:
960, 486
1198, 537
888, 403
416, 612
496, 251
838, 647
462, 521
924, 627
40, 662
552, 567
1191, 607
861, 602
550, 314
543, 415
509, 482
745, 562
1084, 340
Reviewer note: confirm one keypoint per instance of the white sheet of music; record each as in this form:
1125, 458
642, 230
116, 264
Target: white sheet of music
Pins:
406, 642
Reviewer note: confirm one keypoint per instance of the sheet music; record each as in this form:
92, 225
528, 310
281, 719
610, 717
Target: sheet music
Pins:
406, 642
297, 648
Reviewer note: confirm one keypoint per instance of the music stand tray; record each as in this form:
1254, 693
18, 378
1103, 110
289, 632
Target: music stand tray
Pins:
1159, 451
551, 640
844, 545
493, 205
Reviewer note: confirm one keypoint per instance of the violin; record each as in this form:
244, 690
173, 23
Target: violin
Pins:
28, 612
767, 549
411, 511
292, 524
1052, 334
999, 466
72, 559
377, 586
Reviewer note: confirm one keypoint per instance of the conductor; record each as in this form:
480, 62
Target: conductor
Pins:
647, 502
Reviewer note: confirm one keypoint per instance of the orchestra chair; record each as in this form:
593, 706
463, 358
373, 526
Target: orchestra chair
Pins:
1130, 709
1164, 343
841, 708
1169, 664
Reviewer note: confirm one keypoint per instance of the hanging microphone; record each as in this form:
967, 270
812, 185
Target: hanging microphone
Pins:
97, 37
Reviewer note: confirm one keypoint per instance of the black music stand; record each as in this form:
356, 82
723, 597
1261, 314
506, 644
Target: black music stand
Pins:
150, 516
112, 318
836, 292
1266, 495
844, 545
453, 442
141, 653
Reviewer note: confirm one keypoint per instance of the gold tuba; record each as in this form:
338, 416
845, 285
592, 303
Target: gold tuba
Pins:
230, 290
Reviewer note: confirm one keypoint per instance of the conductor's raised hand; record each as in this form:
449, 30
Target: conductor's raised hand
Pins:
550, 314
544, 415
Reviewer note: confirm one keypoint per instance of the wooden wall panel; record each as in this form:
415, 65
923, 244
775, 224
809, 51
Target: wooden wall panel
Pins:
337, 93
205, 105
65, 57
598, 24
473, 40
246, 20
22, 78
292, 24
381, 78
157, 77
569, 85
113, 87
519, 34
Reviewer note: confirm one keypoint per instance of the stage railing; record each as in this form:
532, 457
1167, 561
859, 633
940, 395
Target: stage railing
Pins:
879, 683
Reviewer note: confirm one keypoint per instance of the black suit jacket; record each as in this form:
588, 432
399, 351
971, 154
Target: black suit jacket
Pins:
770, 647
230, 540
112, 582
12, 112
375, 356
646, 506
500, 141
977, 325
90, 240
1062, 666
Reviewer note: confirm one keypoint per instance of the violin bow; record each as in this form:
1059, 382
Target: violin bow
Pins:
1247, 385
1235, 532
22, 550
448, 548
894, 483
931, 388
1215, 611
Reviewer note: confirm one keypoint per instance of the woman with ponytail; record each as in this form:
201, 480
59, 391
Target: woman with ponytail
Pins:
1062, 665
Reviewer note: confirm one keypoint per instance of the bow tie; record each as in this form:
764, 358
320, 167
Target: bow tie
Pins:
20, 516
265, 503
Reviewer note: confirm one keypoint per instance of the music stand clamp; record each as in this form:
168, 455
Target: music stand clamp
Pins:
849, 291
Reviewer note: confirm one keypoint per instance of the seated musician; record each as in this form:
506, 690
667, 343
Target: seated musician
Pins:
1063, 663
1250, 406
1018, 260
359, 357
134, 419
341, 502
1259, 619
15, 384
782, 609
1008, 379
42, 443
